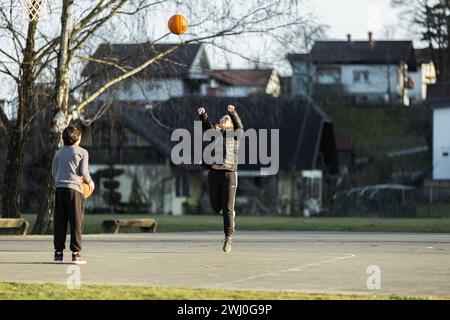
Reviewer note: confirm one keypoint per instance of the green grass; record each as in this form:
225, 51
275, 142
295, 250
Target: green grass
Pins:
438, 210
50, 291
201, 223
375, 130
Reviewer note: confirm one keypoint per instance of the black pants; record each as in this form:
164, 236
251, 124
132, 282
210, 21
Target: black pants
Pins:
222, 194
68, 210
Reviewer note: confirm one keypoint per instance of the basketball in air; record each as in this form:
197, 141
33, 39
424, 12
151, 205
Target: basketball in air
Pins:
178, 24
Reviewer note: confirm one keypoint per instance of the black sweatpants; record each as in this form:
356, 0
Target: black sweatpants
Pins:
68, 210
222, 194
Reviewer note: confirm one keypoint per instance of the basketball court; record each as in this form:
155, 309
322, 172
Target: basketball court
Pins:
409, 264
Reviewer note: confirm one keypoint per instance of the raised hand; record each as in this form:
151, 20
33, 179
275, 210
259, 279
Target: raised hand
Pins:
201, 111
231, 108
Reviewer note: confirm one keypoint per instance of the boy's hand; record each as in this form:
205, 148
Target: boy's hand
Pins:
92, 185
201, 111
231, 108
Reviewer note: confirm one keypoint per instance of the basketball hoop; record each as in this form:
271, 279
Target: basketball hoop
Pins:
34, 10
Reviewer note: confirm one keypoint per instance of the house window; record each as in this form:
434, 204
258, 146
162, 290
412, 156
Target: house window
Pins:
328, 74
182, 186
360, 76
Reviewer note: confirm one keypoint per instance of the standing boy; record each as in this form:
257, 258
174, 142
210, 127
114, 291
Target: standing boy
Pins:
222, 177
70, 166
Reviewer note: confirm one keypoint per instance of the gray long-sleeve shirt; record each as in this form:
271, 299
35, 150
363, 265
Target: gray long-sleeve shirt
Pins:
69, 165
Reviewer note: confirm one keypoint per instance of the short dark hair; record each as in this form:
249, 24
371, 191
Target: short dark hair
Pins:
71, 134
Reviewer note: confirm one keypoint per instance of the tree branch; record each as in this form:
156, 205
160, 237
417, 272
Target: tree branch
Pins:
126, 75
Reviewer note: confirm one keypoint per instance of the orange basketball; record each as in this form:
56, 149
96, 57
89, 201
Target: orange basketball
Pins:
87, 191
178, 24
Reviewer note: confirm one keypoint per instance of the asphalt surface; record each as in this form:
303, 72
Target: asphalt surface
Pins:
408, 264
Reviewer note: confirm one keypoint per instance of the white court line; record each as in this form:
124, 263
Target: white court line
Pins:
299, 268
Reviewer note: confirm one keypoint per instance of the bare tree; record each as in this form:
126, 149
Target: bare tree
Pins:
432, 20
24, 57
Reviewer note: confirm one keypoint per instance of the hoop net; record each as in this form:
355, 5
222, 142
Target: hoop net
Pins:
34, 10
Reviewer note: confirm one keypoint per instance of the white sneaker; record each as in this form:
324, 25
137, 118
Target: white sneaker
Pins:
227, 244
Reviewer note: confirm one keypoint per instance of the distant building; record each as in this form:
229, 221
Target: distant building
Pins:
243, 83
439, 101
424, 75
369, 71
181, 73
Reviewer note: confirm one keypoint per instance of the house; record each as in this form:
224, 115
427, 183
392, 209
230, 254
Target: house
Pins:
182, 73
368, 71
243, 82
186, 72
142, 149
424, 75
439, 101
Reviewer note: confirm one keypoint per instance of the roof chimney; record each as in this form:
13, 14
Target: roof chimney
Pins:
371, 44
349, 39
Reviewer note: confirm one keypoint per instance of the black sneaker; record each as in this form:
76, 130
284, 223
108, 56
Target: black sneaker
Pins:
58, 258
227, 244
77, 258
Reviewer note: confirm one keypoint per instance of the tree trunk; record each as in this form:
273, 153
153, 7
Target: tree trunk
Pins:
60, 120
44, 221
11, 202
18, 135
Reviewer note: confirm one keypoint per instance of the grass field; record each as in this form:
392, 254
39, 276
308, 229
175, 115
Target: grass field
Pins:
50, 291
375, 130
198, 223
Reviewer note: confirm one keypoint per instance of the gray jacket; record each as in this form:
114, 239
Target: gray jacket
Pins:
230, 145
69, 165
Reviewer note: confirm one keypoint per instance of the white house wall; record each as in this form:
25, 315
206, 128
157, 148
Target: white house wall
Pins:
343, 74
378, 79
441, 144
152, 90
238, 91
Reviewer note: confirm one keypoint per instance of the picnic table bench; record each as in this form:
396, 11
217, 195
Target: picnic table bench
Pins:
14, 226
113, 226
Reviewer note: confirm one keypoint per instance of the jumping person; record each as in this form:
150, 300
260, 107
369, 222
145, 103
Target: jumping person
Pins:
70, 167
222, 177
